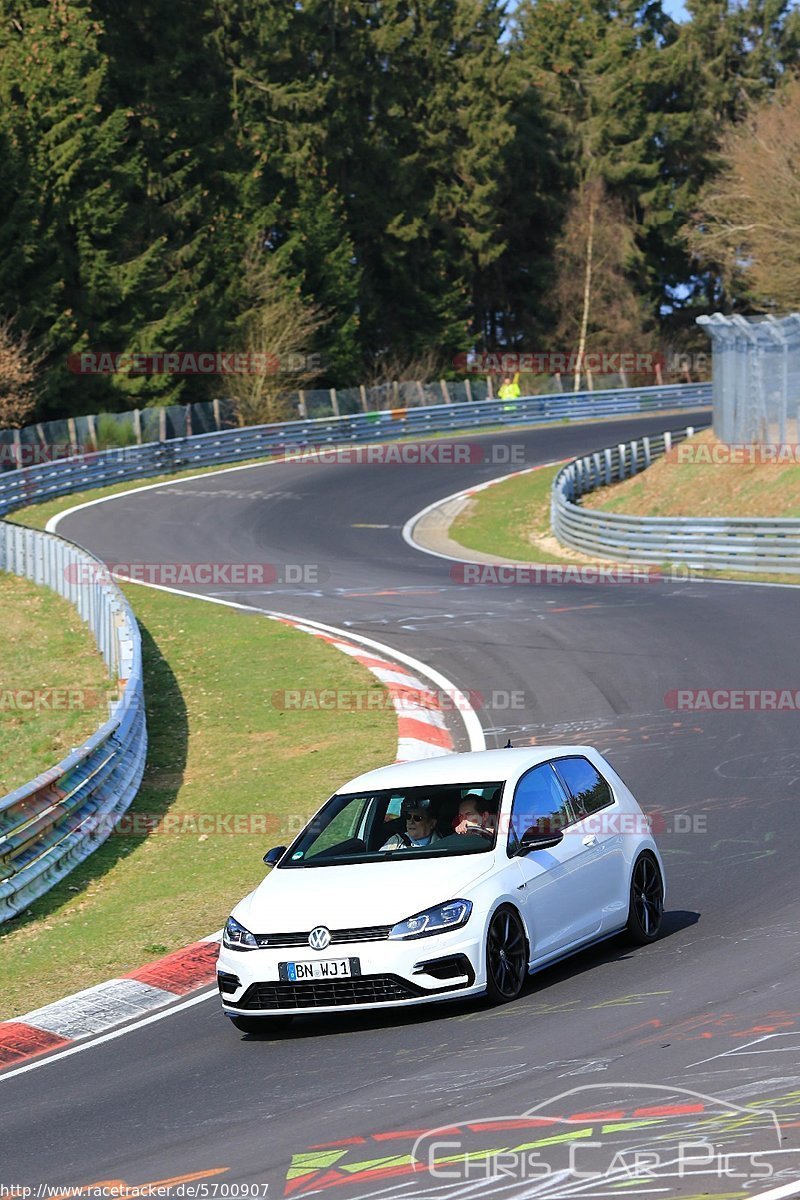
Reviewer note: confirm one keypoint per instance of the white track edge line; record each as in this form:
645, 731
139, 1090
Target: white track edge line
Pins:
105, 1037
778, 1193
472, 725
408, 528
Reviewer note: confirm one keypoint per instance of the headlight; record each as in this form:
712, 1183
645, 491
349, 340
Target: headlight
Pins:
236, 937
433, 920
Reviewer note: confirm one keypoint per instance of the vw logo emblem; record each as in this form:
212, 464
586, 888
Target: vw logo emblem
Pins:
319, 938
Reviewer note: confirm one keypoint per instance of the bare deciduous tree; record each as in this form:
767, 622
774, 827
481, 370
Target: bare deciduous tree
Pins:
394, 368
277, 335
599, 310
18, 370
749, 221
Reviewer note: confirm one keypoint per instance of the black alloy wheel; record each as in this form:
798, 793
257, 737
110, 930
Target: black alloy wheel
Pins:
646, 908
506, 956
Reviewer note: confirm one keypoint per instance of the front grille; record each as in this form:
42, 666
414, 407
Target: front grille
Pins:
319, 993
339, 937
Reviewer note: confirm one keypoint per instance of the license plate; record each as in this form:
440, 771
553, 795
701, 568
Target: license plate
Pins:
325, 968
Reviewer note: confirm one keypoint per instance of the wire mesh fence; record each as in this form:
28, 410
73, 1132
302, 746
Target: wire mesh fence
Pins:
756, 378
49, 440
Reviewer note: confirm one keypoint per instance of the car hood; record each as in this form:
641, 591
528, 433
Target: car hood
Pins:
293, 900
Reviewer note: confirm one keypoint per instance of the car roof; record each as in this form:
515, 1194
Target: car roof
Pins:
477, 766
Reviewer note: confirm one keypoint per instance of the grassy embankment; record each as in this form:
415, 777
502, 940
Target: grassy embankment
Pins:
513, 518
54, 687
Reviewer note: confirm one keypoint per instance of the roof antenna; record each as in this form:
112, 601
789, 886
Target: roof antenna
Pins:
508, 745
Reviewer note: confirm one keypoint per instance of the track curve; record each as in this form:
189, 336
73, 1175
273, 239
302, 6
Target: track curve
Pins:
710, 1009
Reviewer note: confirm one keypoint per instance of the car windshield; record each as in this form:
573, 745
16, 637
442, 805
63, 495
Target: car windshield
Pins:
400, 823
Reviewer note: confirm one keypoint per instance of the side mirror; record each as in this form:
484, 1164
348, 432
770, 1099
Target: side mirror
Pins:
542, 841
274, 855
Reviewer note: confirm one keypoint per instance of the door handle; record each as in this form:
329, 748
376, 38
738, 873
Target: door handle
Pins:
590, 839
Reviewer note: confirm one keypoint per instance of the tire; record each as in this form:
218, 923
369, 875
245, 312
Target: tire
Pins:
646, 905
260, 1024
506, 956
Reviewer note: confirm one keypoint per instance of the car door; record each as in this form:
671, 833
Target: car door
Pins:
599, 831
552, 887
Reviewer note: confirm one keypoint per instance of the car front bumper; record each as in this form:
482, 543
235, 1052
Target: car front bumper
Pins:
390, 974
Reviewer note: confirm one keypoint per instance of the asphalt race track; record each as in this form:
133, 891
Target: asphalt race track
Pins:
695, 1039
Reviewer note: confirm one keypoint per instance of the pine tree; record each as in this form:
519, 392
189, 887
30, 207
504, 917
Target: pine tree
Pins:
69, 176
166, 73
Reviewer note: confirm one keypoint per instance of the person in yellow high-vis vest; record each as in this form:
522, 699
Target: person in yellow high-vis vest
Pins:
510, 388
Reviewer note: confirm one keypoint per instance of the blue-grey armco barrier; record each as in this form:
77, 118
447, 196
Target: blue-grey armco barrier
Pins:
55, 821
733, 543
48, 480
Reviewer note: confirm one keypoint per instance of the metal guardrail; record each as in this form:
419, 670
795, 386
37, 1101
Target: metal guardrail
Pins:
52, 823
38, 483
733, 543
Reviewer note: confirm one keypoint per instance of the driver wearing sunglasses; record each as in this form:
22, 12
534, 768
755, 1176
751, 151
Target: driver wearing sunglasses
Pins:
420, 830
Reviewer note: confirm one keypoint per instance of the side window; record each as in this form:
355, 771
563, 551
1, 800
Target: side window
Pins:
540, 805
342, 828
588, 789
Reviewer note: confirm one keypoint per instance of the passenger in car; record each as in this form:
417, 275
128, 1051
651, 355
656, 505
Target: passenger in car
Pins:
474, 814
420, 828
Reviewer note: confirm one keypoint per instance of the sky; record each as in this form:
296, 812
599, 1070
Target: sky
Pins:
675, 9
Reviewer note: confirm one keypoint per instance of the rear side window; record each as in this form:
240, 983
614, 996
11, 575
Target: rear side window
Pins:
585, 784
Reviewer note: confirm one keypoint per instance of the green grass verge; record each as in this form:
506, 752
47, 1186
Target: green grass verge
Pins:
505, 518
512, 519
54, 687
675, 487
218, 746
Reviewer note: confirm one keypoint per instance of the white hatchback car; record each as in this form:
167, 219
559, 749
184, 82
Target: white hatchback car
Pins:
446, 877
